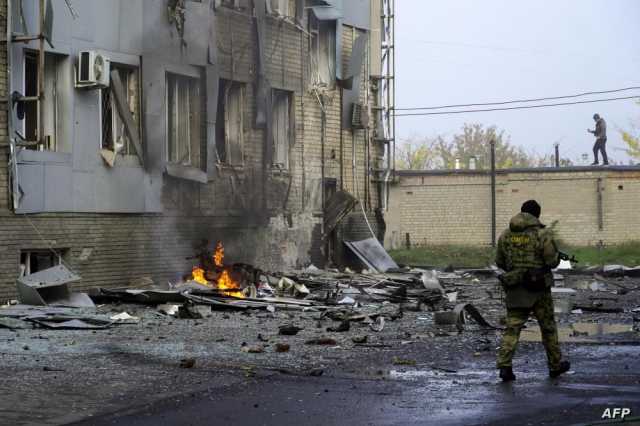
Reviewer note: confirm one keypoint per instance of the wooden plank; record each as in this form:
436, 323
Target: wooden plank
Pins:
119, 95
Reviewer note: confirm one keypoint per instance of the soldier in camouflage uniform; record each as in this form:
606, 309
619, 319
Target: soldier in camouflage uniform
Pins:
527, 253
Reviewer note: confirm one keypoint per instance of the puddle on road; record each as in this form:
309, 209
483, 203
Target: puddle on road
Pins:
578, 332
420, 374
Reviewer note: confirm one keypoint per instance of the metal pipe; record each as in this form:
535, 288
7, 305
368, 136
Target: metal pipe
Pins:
493, 193
600, 205
40, 129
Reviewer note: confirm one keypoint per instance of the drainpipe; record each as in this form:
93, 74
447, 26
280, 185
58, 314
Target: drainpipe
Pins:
323, 130
493, 193
600, 205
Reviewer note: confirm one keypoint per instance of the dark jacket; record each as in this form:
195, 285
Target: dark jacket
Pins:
526, 247
601, 129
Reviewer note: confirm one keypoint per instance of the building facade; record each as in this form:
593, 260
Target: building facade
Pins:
141, 128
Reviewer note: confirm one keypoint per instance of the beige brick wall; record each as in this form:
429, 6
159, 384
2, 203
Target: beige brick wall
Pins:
455, 208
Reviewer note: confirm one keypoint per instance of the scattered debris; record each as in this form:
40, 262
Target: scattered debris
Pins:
50, 288
378, 325
188, 363
322, 341
282, 347
360, 339
253, 349
344, 326
457, 317
288, 330
400, 361
167, 309
124, 318
372, 254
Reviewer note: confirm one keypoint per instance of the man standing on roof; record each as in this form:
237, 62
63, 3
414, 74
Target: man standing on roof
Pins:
600, 133
527, 253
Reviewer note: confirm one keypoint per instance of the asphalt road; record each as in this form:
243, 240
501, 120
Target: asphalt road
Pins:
603, 376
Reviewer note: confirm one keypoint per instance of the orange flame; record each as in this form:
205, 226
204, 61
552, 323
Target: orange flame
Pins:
198, 276
225, 282
218, 256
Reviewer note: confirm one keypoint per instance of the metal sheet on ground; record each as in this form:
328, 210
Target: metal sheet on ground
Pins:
371, 252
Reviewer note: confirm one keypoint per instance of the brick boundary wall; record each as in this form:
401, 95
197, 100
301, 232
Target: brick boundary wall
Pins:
454, 207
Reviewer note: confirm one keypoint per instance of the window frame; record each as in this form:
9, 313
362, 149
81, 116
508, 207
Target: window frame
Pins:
54, 101
193, 129
128, 149
290, 96
227, 88
322, 30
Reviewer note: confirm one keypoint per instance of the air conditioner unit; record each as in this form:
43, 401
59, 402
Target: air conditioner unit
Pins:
93, 70
359, 116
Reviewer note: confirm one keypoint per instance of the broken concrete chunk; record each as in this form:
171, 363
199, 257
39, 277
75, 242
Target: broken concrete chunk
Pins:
168, 309
253, 349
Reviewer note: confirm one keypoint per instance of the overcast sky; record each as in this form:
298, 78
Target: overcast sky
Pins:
467, 51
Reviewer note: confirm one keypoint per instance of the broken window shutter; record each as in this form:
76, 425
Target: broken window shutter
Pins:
132, 130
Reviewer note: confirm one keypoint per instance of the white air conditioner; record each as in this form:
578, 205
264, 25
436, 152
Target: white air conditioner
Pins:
93, 70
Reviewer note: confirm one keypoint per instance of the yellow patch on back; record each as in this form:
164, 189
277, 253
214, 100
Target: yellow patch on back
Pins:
520, 239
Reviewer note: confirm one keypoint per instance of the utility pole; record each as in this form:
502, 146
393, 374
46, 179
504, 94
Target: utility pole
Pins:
557, 148
493, 193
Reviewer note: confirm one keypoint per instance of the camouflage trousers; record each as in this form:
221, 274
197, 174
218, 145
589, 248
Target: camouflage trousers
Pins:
517, 317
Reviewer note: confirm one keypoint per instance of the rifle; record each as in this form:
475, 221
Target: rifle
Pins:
565, 256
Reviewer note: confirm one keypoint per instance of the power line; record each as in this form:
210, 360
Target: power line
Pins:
517, 107
578, 95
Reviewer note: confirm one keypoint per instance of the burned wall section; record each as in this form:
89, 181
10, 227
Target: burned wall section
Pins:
116, 224
591, 205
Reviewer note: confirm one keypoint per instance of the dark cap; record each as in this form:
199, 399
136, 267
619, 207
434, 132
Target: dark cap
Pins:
596, 116
532, 207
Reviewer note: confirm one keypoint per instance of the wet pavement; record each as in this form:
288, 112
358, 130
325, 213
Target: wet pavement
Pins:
470, 396
411, 372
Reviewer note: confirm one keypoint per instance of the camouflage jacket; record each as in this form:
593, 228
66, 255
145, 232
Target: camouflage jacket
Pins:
526, 247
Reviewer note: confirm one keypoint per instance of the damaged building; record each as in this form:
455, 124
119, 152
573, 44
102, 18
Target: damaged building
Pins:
134, 132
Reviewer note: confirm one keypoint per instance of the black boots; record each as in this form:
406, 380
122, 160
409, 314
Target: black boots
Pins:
562, 368
506, 374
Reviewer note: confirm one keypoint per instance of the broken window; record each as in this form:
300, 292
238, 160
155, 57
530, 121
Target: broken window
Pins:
282, 127
32, 261
114, 136
184, 110
283, 7
57, 90
323, 51
230, 123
